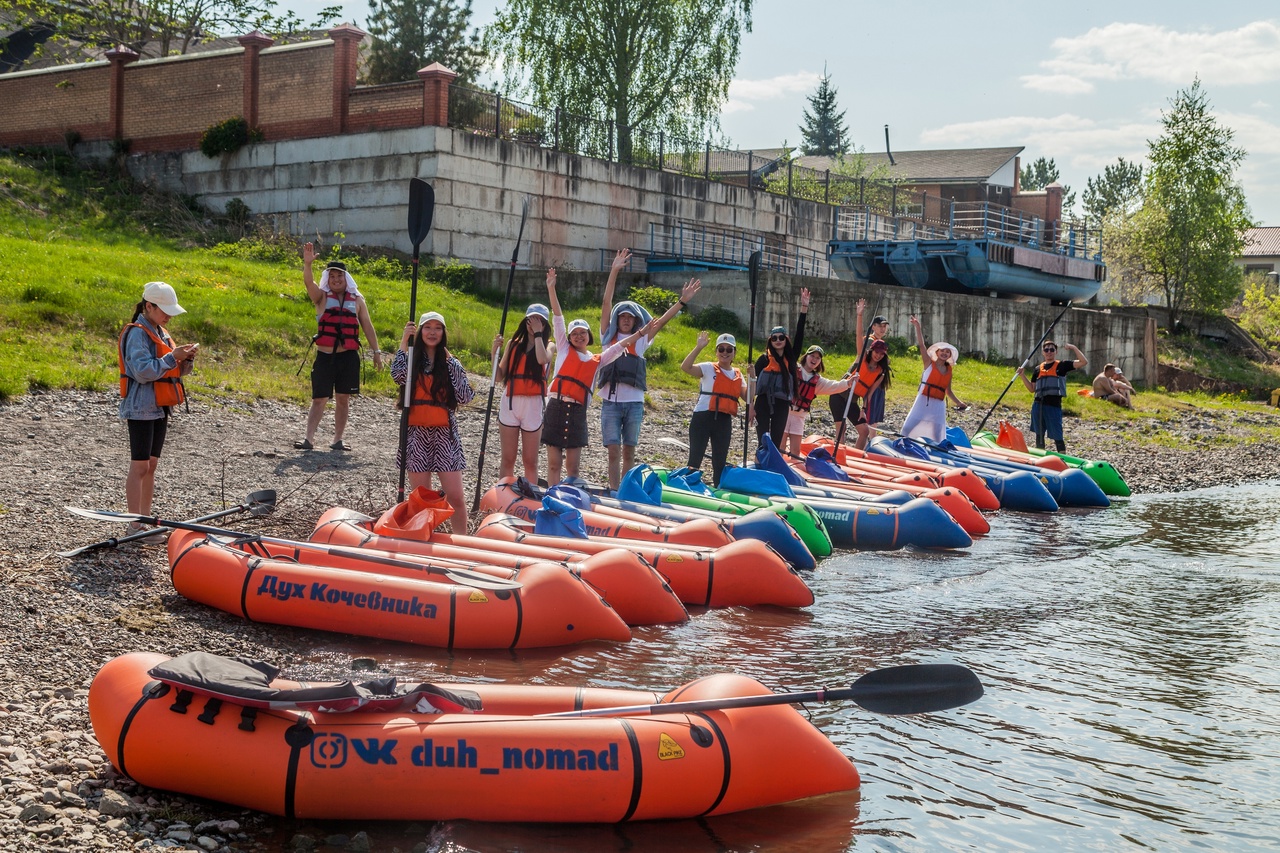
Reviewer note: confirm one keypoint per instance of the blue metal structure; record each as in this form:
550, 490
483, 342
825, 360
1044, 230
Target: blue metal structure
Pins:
978, 248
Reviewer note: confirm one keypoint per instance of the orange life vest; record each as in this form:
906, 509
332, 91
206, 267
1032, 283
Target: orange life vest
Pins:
868, 372
168, 388
574, 379
724, 392
519, 385
935, 388
424, 411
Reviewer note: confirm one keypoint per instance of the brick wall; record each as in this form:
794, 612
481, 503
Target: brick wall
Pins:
296, 91
40, 106
389, 106
169, 103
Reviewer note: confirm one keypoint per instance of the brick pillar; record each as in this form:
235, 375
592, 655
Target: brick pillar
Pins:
1053, 213
435, 94
119, 56
346, 53
253, 45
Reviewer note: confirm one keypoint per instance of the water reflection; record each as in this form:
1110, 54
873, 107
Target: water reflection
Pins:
1130, 658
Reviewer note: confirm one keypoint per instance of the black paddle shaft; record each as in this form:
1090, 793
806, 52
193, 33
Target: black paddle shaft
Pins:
916, 689
502, 331
422, 205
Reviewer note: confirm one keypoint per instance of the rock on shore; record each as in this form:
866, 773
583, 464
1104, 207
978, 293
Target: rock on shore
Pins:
63, 619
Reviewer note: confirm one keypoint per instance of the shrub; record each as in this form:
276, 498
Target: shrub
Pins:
228, 137
717, 320
237, 211
655, 299
451, 274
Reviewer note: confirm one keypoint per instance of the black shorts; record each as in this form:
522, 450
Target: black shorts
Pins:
564, 424
335, 373
837, 403
146, 438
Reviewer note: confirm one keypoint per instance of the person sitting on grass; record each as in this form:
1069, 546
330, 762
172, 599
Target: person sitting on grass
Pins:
1109, 385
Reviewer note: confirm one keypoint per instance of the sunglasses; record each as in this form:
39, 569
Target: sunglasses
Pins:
777, 337
724, 349
1050, 349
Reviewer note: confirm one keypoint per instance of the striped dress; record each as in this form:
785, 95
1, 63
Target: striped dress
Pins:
433, 449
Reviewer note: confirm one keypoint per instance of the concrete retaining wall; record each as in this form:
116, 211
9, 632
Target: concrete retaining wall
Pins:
583, 209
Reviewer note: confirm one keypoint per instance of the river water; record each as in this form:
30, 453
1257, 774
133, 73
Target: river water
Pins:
1131, 658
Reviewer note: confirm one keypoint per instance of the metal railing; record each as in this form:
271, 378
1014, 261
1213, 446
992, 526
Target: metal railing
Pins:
701, 244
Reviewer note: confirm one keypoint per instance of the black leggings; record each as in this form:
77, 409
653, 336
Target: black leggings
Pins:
773, 422
713, 427
146, 438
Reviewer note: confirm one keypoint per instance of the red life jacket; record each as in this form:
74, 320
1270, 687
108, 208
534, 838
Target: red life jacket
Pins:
724, 392
424, 411
806, 390
168, 388
574, 379
935, 388
339, 326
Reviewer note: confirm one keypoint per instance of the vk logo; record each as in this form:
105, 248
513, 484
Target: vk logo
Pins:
329, 750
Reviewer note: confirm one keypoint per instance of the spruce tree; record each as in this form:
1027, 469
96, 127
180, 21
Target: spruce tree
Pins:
824, 131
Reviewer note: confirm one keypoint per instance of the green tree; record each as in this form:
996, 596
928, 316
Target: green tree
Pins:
1117, 190
652, 65
1038, 175
409, 34
160, 28
1190, 229
824, 131
853, 180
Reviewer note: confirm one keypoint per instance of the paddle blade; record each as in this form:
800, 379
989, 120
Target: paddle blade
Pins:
106, 514
259, 503
753, 272
422, 205
917, 689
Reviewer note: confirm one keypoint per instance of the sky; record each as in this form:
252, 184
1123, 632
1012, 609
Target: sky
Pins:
1082, 84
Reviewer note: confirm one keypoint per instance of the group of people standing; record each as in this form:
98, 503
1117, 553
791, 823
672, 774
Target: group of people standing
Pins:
548, 375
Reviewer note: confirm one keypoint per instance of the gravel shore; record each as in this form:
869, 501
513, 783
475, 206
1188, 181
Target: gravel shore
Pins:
64, 618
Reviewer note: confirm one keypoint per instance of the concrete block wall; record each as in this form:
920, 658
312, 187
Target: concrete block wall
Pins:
357, 184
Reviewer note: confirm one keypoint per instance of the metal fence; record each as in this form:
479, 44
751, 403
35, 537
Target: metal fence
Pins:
731, 249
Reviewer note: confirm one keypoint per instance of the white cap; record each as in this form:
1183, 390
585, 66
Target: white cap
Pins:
933, 351
727, 338
432, 315
580, 324
162, 296
539, 309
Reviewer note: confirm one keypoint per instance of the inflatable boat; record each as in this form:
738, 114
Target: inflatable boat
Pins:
232, 731
639, 594
381, 596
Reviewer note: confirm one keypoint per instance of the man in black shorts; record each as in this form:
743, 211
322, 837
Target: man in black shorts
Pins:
340, 315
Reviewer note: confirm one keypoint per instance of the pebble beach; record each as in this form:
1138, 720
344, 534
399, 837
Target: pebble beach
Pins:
64, 618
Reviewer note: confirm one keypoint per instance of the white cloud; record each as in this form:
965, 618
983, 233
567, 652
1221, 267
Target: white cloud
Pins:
1248, 55
782, 86
1057, 84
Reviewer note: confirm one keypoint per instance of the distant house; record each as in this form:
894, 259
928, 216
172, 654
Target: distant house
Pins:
960, 174
1261, 251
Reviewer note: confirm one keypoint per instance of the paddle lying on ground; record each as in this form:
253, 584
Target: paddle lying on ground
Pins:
917, 689
258, 503
462, 577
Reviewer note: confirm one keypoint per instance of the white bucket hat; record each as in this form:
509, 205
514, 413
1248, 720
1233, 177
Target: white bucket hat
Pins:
933, 351
163, 297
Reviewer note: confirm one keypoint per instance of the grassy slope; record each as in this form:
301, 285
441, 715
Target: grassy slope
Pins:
76, 250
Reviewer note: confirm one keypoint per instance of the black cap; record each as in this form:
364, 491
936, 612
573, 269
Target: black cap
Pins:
336, 265
879, 318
